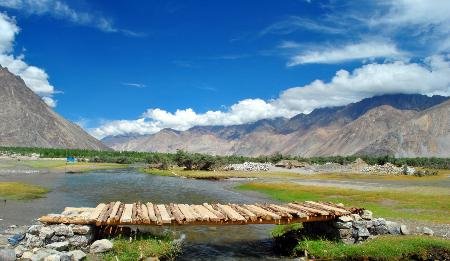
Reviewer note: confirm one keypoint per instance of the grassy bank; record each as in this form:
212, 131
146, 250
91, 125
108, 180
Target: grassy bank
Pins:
381, 248
142, 248
18, 191
391, 203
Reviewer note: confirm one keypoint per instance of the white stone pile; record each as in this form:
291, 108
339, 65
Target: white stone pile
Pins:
250, 166
388, 169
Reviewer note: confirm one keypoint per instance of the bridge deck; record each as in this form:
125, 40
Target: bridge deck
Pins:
120, 214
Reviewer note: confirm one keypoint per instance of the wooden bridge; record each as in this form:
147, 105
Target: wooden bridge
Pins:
120, 214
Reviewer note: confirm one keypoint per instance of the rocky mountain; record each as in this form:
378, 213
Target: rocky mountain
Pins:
371, 126
26, 121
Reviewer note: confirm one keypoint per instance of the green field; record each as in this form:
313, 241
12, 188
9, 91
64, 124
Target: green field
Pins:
21, 191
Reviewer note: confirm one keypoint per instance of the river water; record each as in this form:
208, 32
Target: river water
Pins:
249, 242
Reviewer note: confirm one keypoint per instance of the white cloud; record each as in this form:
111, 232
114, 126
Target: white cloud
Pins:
430, 77
358, 51
61, 10
35, 78
296, 23
134, 84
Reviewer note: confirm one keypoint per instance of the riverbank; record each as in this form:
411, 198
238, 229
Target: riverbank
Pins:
47, 165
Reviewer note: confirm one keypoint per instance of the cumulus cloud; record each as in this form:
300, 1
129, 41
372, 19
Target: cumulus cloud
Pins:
349, 52
430, 77
61, 10
35, 78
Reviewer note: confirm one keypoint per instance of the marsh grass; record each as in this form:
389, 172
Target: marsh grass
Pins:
21, 191
381, 248
142, 247
385, 203
62, 166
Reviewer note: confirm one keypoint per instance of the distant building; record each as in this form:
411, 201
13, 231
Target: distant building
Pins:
71, 160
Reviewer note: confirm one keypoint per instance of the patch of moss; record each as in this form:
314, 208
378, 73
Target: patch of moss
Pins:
21, 191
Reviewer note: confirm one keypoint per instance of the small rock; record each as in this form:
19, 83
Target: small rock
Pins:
46, 233
43, 253
13, 226
19, 250
427, 231
59, 246
80, 241
367, 215
27, 255
34, 229
81, 230
379, 222
341, 205
345, 218
53, 257
62, 230
342, 225
404, 230
33, 241
345, 233
101, 246
65, 257
356, 217
393, 228
56, 238
77, 255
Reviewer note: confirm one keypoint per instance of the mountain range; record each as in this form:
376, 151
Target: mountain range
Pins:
27, 121
404, 125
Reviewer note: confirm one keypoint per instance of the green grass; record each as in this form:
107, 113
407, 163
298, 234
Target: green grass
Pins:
391, 203
141, 248
21, 191
381, 248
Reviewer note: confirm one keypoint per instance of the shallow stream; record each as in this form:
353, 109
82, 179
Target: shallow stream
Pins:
88, 189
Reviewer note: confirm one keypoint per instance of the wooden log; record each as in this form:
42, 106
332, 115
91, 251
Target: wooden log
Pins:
127, 214
205, 213
215, 212
245, 212
262, 212
113, 214
231, 214
169, 211
199, 216
179, 217
186, 212
158, 215
52, 219
104, 217
338, 211
279, 211
290, 210
139, 213
145, 216
97, 211
119, 213
308, 209
151, 212
165, 218
133, 215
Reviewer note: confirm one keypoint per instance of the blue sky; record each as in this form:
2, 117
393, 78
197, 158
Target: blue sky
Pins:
140, 66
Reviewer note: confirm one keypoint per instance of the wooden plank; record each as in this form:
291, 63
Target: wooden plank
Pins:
231, 213
151, 212
97, 211
169, 211
139, 213
114, 211
291, 210
201, 216
119, 213
145, 216
126, 217
186, 212
244, 212
329, 208
105, 214
194, 213
262, 212
179, 217
308, 209
215, 212
133, 215
165, 218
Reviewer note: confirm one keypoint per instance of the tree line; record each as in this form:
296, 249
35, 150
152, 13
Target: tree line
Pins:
200, 161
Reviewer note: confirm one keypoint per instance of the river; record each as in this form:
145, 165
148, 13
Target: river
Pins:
88, 189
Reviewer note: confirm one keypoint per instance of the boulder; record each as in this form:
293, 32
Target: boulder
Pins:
80, 240
404, 230
360, 229
101, 246
59, 246
81, 230
33, 241
63, 230
393, 228
342, 225
53, 257
45, 233
427, 231
34, 229
366, 214
77, 255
